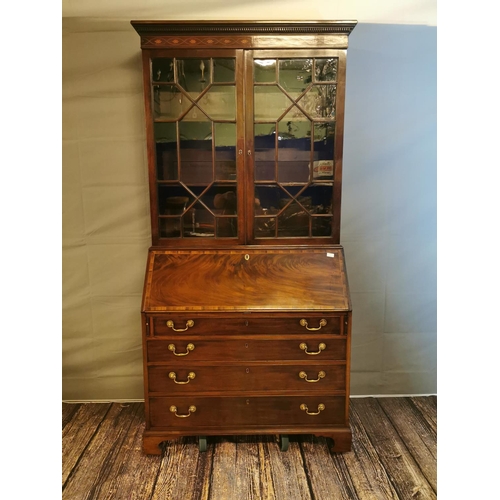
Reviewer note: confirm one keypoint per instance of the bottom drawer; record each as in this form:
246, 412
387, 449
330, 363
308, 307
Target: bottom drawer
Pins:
193, 412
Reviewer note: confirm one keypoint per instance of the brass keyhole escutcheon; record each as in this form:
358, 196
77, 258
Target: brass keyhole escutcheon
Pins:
247, 370
247, 257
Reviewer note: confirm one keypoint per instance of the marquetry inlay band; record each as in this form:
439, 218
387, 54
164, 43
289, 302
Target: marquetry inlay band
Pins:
197, 41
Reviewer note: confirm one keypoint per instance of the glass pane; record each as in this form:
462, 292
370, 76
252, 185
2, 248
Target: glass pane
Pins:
264, 155
196, 149
269, 199
219, 102
295, 75
173, 199
194, 171
225, 151
221, 200
166, 151
294, 150
170, 227
162, 70
198, 222
227, 227
319, 102
323, 151
264, 70
326, 70
322, 226
317, 198
224, 70
193, 75
170, 102
294, 221
270, 102
265, 227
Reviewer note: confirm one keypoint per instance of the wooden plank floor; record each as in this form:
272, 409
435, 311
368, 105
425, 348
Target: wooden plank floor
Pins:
393, 457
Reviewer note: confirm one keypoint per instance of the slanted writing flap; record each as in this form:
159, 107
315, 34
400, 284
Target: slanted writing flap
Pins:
246, 280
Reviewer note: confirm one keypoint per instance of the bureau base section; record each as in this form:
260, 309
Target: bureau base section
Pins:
341, 437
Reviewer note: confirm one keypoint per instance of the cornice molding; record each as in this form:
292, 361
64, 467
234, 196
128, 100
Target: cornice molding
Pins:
243, 27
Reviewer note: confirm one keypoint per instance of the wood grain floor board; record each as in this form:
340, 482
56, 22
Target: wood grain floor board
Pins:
368, 474
428, 410
403, 471
96, 462
416, 435
236, 470
68, 410
393, 457
132, 475
326, 478
284, 470
184, 472
78, 432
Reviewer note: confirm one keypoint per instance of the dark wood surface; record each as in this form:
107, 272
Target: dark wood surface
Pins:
243, 279
254, 377
393, 457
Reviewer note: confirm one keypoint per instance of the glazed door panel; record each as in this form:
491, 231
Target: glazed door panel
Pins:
294, 128
195, 101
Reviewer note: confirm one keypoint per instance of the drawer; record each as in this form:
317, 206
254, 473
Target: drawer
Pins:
185, 349
167, 324
193, 412
192, 378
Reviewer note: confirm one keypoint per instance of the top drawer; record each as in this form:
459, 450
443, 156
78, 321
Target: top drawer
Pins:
168, 324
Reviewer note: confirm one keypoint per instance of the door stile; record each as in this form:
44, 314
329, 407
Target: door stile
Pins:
249, 147
240, 146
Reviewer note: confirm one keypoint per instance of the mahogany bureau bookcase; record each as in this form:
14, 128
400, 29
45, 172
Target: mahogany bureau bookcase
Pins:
246, 310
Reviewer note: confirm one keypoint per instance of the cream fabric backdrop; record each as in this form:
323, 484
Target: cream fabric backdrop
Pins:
388, 218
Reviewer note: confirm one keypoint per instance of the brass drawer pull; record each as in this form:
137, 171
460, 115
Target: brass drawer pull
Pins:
173, 376
321, 347
322, 323
321, 375
321, 407
189, 324
192, 409
189, 347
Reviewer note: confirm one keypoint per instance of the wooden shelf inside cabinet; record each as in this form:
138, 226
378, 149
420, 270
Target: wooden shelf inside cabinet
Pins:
246, 278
